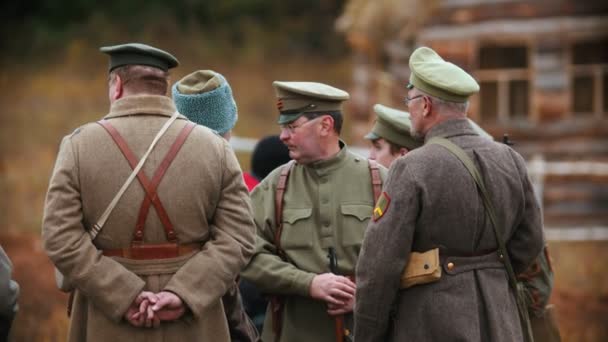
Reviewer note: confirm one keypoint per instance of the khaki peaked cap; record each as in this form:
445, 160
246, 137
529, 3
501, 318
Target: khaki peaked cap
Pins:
139, 54
437, 77
294, 99
394, 126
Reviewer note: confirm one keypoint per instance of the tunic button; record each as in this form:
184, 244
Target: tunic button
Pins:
450, 266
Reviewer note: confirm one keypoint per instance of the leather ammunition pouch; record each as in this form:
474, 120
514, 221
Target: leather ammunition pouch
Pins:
422, 268
427, 267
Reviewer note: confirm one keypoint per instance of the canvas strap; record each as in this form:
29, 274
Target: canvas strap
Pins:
470, 166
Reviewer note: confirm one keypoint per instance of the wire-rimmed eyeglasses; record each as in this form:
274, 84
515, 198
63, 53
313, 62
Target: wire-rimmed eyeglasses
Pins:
408, 99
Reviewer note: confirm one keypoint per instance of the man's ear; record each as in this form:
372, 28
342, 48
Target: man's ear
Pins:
117, 88
327, 124
428, 105
403, 151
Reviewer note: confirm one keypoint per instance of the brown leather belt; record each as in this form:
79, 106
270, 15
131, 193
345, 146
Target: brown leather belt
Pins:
153, 251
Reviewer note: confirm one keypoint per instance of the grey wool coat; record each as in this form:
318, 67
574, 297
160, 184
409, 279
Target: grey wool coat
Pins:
205, 198
435, 203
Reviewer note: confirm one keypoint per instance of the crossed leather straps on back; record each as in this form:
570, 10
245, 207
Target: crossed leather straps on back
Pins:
150, 187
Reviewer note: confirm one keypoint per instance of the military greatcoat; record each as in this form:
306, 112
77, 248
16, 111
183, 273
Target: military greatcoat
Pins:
327, 204
205, 198
434, 203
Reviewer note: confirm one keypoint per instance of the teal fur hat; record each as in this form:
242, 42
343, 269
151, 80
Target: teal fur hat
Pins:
205, 97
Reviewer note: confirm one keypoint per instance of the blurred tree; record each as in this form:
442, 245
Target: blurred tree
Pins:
28, 27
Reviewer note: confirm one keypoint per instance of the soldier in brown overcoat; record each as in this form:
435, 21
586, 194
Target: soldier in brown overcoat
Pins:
154, 274
431, 201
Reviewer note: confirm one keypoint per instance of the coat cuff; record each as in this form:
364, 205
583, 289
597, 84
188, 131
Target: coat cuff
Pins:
130, 287
301, 282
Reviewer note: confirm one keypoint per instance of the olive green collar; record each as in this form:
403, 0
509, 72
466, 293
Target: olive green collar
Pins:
450, 128
142, 104
325, 165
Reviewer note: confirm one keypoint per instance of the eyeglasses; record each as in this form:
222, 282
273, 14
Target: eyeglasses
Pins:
408, 100
292, 128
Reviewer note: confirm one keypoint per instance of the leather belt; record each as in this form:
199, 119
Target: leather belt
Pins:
153, 251
458, 264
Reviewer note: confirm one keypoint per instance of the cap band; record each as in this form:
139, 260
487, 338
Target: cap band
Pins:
126, 58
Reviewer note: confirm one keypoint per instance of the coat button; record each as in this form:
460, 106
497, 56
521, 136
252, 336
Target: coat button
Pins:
450, 266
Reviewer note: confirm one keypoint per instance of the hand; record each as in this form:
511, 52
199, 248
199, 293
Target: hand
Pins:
169, 306
140, 312
335, 310
333, 289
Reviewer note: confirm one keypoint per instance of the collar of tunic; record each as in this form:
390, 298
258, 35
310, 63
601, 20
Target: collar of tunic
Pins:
142, 105
450, 128
322, 167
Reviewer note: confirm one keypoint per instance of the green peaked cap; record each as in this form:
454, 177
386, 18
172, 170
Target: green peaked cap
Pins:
139, 54
439, 78
393, 125
294, 99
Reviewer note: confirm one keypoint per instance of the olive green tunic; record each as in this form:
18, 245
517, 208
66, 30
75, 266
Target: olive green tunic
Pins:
327, 204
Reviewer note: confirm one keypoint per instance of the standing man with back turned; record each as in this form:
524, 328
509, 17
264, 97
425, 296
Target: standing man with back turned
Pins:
311, 216
431, 201
150, 274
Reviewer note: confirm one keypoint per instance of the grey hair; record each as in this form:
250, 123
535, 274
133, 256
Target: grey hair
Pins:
449, 106
458, 107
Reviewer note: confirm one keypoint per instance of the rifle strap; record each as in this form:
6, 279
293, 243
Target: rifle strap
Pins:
470, 166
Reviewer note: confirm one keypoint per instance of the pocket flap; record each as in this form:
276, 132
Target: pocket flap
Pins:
360, 211
292, 215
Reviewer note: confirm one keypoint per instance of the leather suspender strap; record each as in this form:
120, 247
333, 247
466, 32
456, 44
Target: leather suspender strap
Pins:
158, 175
276, 302
470, 166
278, 207
376, 179
143, 179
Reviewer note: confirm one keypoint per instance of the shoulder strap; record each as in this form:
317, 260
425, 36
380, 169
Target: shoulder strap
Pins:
470, 166
376, 179
278, 205
276, 302
468, 163
103, 218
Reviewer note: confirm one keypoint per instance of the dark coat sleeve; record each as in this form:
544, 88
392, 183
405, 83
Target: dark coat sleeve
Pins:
527, 240
9, 289
384, 254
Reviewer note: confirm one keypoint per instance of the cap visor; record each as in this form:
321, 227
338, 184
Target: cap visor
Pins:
371, 136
